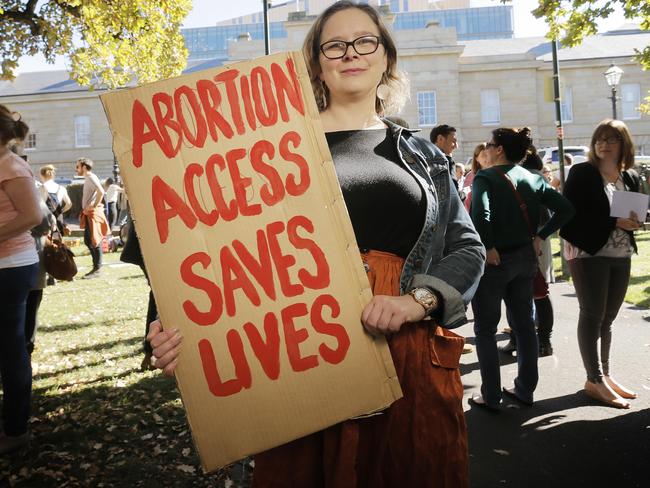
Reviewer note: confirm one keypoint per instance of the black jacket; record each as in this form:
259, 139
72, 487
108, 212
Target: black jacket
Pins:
591, 225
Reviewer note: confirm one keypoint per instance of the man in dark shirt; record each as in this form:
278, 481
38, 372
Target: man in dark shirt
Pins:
444, 136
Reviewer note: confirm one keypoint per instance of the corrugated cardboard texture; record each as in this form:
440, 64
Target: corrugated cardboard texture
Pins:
250, 253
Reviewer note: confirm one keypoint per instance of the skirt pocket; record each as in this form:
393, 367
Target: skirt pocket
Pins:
445, 347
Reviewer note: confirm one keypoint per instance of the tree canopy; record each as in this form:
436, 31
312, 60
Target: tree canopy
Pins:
570, 21
108, 42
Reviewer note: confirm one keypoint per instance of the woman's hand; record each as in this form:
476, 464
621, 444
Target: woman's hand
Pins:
386, 314
629, 224
493, 258
166, 347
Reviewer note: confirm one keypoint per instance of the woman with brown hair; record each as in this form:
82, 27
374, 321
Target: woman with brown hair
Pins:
479, 161
506, 210
423, 256
19, 212
599, 249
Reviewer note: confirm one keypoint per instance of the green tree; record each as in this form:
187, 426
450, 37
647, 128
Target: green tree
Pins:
571, 20
109, 42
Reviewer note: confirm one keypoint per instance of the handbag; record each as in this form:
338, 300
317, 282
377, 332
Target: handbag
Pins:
58, 258
540, 286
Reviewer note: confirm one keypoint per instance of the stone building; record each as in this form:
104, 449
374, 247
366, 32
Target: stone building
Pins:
474, 85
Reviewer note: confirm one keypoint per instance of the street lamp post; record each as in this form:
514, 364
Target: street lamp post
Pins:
613, 77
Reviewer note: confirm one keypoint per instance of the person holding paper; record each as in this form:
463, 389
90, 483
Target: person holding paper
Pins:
598, 248
423, 258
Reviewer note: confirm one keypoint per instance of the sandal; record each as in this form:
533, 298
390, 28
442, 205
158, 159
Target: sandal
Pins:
511, 393
478, 400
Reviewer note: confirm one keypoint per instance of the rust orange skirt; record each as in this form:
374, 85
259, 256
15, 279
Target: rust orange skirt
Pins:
420, 441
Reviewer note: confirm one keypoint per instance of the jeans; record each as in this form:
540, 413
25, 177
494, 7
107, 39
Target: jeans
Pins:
600, 284
15, 365
511, 281
95, 252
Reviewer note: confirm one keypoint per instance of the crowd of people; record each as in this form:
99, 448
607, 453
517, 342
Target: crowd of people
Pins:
444, 238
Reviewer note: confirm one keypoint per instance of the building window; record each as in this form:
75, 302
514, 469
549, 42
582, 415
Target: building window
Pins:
630, 101
490, 107
405, 6
394, 5
566, 106
427, 109
82, 131
30, 142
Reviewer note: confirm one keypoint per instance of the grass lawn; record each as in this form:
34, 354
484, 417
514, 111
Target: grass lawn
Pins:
97, 420
638, 292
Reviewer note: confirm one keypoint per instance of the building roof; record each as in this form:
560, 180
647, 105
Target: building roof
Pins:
618, 43
58, 81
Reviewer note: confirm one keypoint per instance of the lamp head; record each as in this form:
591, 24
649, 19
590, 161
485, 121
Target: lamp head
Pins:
613, 75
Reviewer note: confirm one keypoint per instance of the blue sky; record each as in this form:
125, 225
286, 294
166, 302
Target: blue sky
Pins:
206, 12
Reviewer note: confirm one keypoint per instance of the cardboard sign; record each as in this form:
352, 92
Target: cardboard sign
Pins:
251, 254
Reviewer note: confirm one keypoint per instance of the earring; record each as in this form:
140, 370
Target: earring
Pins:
382, 91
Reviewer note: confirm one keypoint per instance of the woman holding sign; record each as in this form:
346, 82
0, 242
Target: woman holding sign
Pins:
599, 249
423, 259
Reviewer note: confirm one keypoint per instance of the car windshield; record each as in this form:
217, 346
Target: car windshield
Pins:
572, 152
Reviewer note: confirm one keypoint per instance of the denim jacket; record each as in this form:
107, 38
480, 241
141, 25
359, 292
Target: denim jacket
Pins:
448, 257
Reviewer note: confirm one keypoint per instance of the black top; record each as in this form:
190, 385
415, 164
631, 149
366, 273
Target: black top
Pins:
386, 204
591, 225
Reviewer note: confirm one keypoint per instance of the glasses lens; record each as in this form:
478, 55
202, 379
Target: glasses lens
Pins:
366, 45
607, 140
334, 49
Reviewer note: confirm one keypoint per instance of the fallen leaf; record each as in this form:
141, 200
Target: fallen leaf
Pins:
186, 468
98, 445
501, 452
146, 437
186, 451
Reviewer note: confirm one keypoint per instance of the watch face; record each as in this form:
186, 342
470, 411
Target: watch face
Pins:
421, 294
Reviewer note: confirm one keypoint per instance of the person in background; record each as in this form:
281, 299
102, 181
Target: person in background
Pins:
113, 191
92, 219
568, 164
459, 168
420, 440
59, 199
547, 172
19, 212
543, 304
444, 137
506, 202
598, 249
132, 254
479, 161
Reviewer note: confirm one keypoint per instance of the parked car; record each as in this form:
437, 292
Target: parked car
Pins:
549, 155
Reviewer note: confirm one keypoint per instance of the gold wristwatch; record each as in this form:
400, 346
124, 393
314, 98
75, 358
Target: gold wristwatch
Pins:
425, 298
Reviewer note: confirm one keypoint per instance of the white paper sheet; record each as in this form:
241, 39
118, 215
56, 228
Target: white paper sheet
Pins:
624, 202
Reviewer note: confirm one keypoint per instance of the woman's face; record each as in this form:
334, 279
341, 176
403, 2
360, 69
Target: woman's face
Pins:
353, 75
482, 159
608, 146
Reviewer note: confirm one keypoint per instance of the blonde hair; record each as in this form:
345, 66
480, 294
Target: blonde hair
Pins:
620, 130
397, 82
48, 171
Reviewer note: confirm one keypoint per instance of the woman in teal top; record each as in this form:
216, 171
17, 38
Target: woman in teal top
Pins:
505, 207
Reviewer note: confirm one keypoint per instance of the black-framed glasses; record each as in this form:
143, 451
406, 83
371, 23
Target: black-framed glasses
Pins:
608, 140
490, 144
362, 45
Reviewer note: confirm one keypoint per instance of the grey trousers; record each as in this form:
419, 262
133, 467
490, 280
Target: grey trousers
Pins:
600, 284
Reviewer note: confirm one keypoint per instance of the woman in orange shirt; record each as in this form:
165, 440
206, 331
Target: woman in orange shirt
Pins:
19, 212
